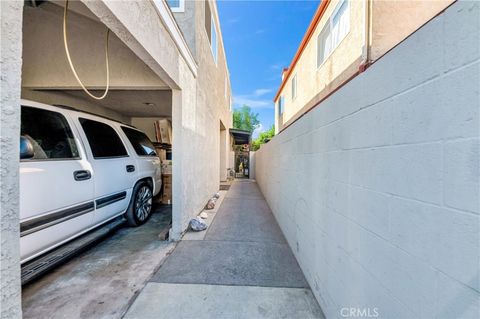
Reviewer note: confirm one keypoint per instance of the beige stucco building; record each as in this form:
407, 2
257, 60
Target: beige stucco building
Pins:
165, 62
342, 40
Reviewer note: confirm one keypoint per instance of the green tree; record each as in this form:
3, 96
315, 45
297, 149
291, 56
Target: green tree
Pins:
263, 138
245, 119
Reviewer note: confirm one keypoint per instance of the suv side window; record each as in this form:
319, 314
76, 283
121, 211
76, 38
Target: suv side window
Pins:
104, 141
49, 133
140, 142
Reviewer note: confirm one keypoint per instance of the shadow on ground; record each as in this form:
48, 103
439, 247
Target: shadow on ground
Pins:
100, 282
241, 268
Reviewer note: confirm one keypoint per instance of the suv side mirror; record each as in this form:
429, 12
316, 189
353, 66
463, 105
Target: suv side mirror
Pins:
26, 148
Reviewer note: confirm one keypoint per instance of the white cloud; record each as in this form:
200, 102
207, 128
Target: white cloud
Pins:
240, 100
260, 92
275, 66
255, 99
259, 31
256, 132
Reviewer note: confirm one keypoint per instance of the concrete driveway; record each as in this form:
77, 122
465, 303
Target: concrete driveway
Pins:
242, 268
100, 282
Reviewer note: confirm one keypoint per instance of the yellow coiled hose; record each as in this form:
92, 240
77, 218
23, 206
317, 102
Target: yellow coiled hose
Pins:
65, 42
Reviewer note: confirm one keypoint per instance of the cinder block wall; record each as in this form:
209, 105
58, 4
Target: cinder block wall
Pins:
377, 189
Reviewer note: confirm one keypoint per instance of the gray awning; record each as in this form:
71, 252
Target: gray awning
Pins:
241, 136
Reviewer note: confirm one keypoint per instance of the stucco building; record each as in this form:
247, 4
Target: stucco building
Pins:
342, 40
164, 63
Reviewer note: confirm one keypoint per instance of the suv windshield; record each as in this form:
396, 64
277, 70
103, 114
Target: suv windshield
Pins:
140, 142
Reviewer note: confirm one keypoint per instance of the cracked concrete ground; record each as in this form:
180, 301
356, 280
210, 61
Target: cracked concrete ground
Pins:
100, 282
243, 268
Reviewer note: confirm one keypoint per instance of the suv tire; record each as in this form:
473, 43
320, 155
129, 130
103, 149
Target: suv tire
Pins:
140, 207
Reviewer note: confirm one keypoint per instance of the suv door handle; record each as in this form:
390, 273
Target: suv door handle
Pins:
82, 175
130, 168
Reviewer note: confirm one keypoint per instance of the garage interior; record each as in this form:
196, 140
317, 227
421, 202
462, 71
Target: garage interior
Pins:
137, 96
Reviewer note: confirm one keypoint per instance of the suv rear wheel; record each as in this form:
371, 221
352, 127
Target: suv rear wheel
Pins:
140, 208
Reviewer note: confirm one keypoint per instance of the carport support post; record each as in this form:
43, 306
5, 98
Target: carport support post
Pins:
11, 14
177, 146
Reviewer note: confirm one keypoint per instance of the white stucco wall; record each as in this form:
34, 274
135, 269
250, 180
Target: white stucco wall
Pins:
10, 85
377, 189
196, 140
196, 110
252, 165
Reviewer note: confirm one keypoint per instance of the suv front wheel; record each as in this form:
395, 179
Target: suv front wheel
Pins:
140, 208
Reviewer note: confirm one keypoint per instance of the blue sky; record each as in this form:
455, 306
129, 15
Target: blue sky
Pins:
260, 38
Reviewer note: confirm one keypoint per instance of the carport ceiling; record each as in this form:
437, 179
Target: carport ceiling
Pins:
45, 65
132, 103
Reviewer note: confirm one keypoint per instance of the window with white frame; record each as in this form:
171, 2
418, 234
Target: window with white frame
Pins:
334, 31
294, 87
213, 41
176, 5
281, 105
211, 29
208, 21
340, 23
225, 88
323, 45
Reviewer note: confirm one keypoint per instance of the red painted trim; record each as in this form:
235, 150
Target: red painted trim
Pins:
311, 29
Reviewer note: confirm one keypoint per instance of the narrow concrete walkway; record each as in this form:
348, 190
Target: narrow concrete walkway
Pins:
243, 268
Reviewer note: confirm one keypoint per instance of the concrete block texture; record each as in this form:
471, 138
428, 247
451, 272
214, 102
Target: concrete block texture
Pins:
462, 174
377, 189
11, 15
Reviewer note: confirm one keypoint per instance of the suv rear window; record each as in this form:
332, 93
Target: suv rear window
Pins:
104, 141
140, 142
49, 133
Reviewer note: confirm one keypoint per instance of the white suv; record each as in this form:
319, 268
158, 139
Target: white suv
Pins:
78, 171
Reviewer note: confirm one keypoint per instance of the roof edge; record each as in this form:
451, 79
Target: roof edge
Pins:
308, 34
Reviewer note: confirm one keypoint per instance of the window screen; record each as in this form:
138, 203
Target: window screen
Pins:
208, 20
334, 32
174, 3
140, 142
324, 45
214, 41
340, 24
294, 87
280, 105
49, 133
104, 141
